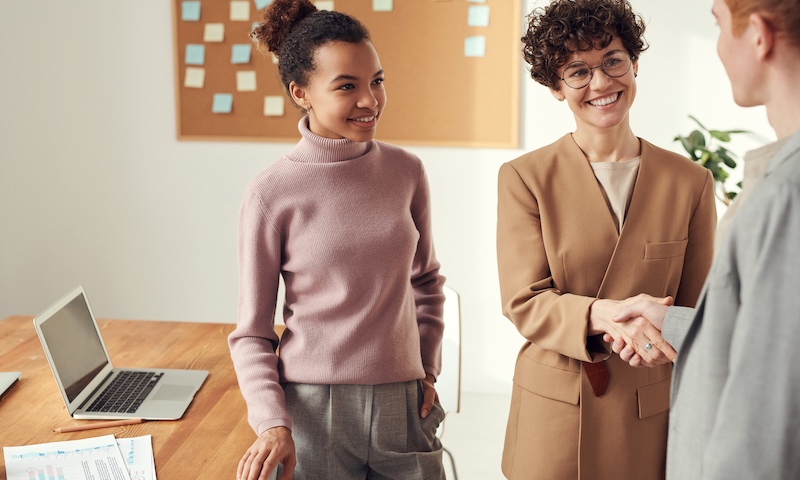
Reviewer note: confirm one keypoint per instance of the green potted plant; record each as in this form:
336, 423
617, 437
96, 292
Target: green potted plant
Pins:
705, 146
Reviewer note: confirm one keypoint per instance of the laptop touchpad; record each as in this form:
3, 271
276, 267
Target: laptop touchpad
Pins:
174, 392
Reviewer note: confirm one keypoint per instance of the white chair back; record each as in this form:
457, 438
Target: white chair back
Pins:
448, 385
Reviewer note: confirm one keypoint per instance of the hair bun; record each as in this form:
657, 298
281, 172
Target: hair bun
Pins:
278, 20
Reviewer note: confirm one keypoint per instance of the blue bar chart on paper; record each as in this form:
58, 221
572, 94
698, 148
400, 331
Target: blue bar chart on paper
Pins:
96, 458
48, 472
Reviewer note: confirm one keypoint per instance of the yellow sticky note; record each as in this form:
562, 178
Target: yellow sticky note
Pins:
214, 32
195, 77
240, 11
273, 106
382, 5
324, 5
246, 81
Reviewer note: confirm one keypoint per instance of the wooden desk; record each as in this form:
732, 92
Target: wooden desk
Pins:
206, 443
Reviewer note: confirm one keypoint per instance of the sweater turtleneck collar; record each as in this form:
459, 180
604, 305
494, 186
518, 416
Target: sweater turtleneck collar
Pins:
313, 148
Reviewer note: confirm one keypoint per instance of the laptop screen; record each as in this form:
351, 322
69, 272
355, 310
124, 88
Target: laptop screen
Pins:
74, 346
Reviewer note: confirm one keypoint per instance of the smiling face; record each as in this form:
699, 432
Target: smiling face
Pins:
605, 101
345, 95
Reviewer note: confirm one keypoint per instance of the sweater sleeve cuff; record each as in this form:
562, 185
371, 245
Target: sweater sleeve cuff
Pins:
429, 370
273, 423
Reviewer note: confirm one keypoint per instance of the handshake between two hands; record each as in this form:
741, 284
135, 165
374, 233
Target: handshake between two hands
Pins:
633, 328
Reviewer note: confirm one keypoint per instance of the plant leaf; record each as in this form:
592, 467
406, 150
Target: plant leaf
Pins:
697, 138
726, 159
698, 122
687, 146
720, 135
717, 160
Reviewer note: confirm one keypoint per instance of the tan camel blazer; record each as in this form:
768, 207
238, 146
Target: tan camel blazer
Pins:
558, 250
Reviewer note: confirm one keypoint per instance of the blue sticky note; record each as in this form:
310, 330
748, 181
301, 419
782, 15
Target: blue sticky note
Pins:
475, 46
190, 11
262, 3
223, 103
240, 53
195, 54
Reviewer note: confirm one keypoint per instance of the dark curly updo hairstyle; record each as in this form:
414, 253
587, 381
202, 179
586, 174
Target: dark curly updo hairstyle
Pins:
568, 26
294, 29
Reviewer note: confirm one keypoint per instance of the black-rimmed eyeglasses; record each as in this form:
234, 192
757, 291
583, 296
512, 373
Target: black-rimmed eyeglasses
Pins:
615, 64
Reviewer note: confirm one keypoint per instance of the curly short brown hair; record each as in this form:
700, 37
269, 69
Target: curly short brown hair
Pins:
564, 27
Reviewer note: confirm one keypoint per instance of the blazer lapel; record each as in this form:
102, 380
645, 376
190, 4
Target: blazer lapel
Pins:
638, 206
582, 176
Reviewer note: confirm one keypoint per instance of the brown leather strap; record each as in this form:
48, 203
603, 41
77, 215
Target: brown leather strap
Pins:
597, 373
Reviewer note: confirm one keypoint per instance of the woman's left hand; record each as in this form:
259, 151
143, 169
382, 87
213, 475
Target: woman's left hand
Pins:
429, 395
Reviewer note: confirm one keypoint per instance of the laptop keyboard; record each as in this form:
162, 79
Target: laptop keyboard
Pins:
126, 392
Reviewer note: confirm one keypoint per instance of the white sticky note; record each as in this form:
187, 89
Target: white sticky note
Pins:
262, 4
214, 32
246, 81
274, 58
475, 46
477, 1
324, 5
478, 16
240, 11
273, 106
382, 5
195, 77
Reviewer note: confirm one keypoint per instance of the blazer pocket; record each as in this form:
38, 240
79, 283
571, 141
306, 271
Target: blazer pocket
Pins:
665, 249
548, 382
654, 398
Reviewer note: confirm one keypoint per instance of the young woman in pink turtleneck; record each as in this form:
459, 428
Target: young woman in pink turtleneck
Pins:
345, 220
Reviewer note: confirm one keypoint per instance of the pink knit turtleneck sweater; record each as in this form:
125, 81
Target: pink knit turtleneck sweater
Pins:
348, 226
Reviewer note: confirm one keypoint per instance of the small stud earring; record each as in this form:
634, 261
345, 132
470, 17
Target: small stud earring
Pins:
635, 75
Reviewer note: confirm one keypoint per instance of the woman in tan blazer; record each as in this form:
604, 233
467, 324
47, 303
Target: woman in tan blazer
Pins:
596, 217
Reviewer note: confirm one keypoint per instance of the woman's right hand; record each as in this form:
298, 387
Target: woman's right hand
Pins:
273, 446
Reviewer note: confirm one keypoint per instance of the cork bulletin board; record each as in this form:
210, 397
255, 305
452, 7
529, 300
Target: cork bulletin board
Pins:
451, 68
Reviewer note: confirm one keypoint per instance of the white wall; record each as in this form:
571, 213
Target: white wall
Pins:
95, 189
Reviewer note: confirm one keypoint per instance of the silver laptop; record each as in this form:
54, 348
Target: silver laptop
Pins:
88, 382
7, 379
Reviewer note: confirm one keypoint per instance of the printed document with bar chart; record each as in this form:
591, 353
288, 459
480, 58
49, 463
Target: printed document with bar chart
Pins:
97, 458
